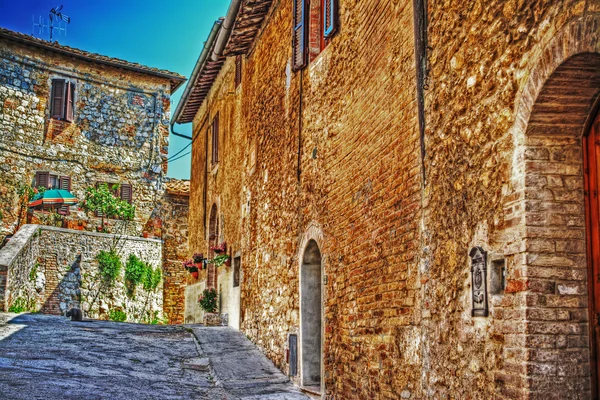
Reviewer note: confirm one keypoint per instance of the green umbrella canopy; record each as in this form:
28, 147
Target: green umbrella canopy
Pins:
53, 197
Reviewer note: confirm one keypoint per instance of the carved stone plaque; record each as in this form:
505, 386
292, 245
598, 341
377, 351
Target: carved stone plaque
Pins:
479, 282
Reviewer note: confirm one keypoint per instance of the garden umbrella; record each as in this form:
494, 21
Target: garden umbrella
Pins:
53, 197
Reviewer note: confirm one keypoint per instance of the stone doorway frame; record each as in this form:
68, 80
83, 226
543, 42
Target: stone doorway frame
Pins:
549, 272
313, 236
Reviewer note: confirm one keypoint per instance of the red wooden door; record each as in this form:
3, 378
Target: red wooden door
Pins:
591, 151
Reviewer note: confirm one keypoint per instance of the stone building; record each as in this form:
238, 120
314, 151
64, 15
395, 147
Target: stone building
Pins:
410, 191
72, 119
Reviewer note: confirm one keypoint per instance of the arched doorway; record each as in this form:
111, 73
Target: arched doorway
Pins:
213, 240
591, 154
311, 314
560, 235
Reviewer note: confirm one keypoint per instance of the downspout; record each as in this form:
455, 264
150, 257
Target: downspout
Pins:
420, 25
205, 176
226, 29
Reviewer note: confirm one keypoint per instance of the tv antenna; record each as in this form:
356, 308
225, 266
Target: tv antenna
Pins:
57, 21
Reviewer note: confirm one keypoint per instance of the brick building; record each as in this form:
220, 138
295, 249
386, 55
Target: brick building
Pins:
409, 191
72, 119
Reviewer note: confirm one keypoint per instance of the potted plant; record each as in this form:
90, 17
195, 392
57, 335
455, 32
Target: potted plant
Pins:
221, 248
191, 267
208, 302
219, 260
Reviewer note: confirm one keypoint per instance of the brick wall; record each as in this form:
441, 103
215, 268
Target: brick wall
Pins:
332, 154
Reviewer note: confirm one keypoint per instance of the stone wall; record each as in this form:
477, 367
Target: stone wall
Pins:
119, 133
175, 232
51, 269
332, 154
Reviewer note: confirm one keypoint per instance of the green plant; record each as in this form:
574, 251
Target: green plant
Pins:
117, 315
33, 272
219, 260
102, 199
151, 278
20, 305
208, 300
109, 264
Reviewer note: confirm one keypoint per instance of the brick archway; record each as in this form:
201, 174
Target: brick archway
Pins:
549, 274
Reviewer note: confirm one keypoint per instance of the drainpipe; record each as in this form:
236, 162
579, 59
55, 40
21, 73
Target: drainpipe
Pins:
226, 29
420, 24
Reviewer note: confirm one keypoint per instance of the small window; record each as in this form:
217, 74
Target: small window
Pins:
124, 191
238, 71
237, 262
50, 181
62, 100
215, 139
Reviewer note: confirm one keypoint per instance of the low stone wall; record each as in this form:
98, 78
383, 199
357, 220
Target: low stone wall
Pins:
50, 269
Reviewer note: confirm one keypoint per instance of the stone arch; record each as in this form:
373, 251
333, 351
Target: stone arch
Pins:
549, 272
213, 240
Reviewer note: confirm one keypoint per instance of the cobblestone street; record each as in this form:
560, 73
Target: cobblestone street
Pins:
50, 357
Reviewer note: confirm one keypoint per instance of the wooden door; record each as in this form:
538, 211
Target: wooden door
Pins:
591, 151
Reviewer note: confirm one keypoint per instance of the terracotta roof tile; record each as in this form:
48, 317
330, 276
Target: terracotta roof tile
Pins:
178, 186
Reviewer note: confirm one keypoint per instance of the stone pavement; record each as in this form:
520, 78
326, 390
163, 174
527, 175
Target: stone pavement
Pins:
241, 368
50, 357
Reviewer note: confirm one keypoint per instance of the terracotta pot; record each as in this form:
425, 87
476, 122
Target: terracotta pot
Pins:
145, 234
195, 274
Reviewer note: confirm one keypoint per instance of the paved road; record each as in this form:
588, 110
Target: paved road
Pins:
50, 357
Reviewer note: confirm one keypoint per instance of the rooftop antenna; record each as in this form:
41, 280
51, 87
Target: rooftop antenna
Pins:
57, 21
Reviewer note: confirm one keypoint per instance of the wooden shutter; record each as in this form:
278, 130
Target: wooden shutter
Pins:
238, 70
330, 18
64, 182
41, 179
299, 36
127, 192
57, 99
215, 139
70, 91
98, 212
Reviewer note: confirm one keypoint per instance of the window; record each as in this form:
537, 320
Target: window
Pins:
237, 262
215, 139
299, 37
315, 23
238, 71
51, 181
124, 191
62, 100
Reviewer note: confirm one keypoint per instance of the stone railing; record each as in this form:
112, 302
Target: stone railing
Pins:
17, 259
50, 269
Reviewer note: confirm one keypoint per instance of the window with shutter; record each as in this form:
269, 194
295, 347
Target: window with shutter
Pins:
238, 71
330, 18
64, 183
127, 192
70, 91
299, 36
62, 100
58, 99
41, 179
215, 139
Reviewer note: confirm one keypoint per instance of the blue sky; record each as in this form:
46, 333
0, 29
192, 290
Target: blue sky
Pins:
162, 34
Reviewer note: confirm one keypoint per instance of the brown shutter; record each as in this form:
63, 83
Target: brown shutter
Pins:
330, 18
127, 192
238, 70
98, 212
64, 183
299, 35
215, 139
69, 103
41, 179
57, 99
